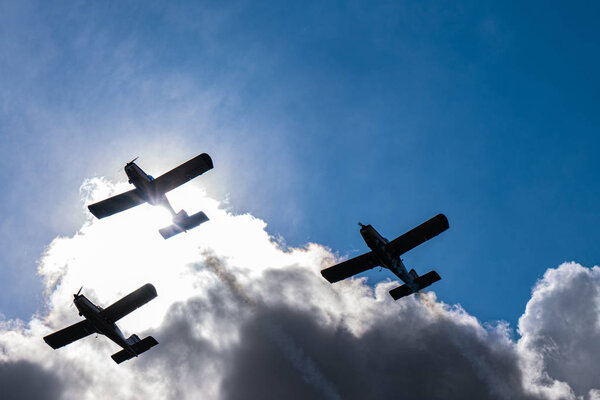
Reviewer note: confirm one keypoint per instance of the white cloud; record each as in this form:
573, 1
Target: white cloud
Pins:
561, 329
238, 317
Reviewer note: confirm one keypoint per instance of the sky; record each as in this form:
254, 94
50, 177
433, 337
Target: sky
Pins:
317, 115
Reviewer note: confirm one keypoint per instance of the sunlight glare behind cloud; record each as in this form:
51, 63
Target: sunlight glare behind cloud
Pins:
229, 294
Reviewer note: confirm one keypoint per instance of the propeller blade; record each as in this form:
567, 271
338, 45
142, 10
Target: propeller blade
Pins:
129, 163
75, 297
132, 161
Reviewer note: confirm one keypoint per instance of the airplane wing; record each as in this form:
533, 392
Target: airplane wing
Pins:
69, 334
185, 172
350, 267
115, 204
129, 303
418, 235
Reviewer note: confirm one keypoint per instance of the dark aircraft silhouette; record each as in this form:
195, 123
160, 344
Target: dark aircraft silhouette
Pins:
148, 189
98, 320
387, 254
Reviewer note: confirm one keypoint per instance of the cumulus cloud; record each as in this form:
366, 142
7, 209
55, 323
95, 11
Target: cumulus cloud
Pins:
561, 330
239, 317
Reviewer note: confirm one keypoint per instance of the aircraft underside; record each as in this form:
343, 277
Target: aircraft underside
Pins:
150, 190
98, 320
387, 254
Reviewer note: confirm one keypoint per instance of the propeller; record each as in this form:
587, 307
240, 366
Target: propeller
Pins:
75, 296
129, 163
132, 161
360, 224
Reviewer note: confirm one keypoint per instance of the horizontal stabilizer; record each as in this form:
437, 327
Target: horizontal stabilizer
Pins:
421, 282
139, 347
183, 224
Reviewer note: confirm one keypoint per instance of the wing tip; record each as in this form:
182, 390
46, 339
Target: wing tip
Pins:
443, 220
207, 160
93, 210
49, 343
324, 274
150, 289
331, 276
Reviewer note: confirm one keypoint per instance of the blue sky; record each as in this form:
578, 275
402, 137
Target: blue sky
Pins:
317, 115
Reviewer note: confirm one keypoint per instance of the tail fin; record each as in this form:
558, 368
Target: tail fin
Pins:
421, 282
138, 347
182, 224
133, 339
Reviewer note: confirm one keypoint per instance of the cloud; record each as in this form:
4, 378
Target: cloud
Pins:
561, 328
26, 380
240, 317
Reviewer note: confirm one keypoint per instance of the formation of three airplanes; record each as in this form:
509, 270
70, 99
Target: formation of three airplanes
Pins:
149, 190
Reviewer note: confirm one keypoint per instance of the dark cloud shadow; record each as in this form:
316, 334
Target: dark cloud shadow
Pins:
441, 360
21, 380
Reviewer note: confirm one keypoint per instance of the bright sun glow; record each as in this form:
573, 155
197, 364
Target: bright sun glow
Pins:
114, 256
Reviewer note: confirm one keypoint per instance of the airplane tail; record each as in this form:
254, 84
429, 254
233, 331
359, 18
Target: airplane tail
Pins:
133, 339
138, 346
182, 223
420, 282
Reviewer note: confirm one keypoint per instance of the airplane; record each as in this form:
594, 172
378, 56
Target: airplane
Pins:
98, 320
387, 254
150, 190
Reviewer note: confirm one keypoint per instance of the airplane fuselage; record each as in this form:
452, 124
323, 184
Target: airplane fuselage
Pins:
91, 312
377, 244
143, 182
